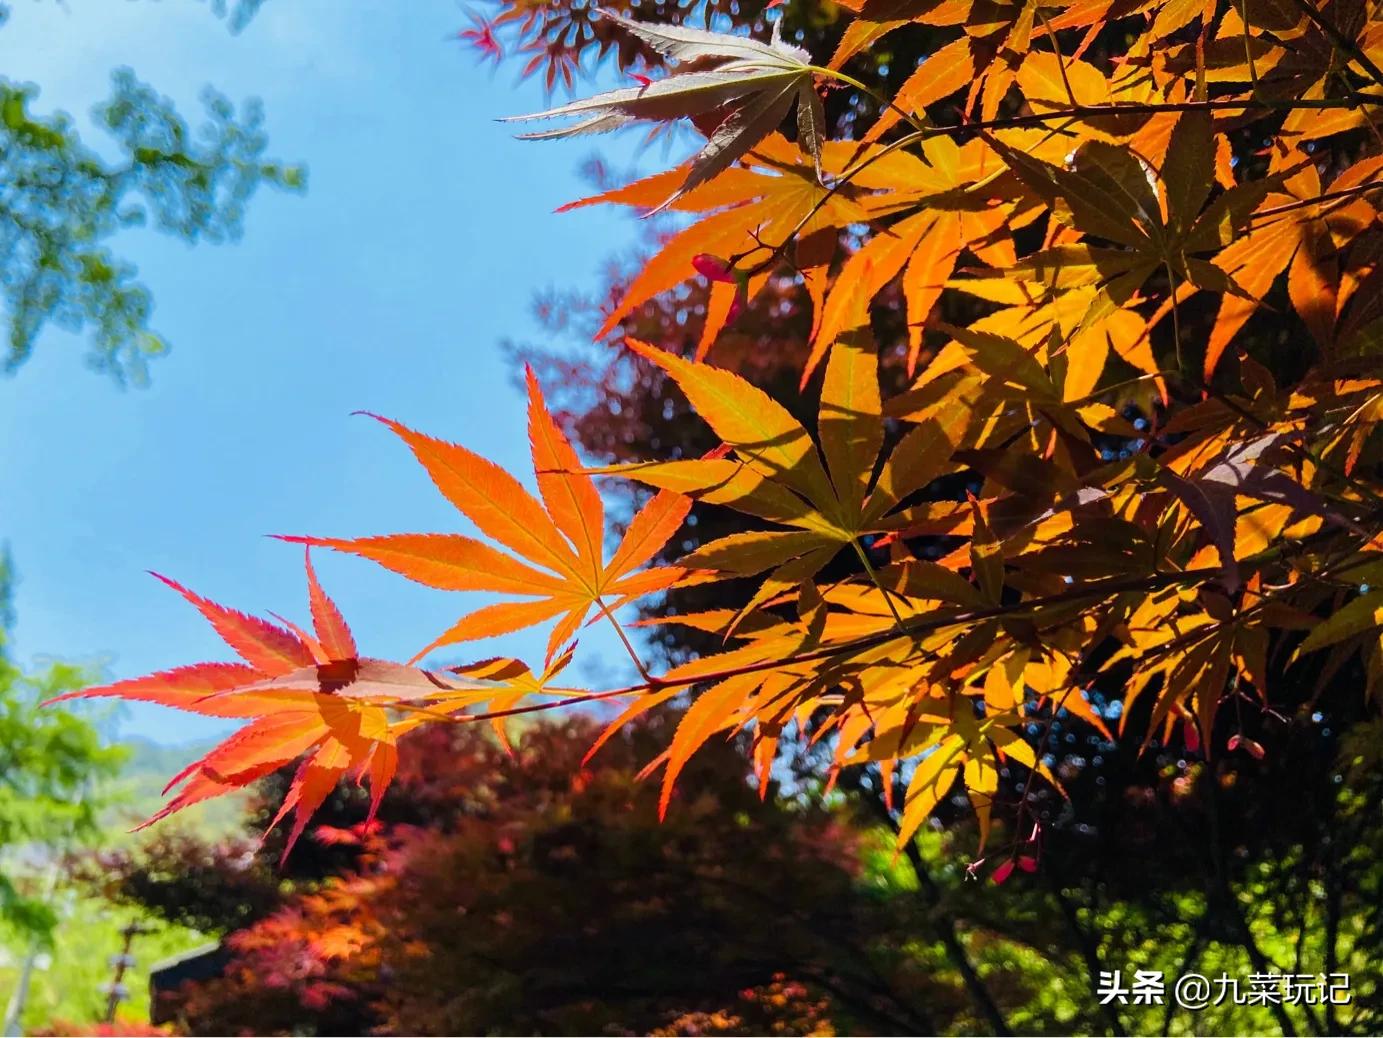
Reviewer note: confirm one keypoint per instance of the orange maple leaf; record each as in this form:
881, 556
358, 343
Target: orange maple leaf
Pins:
558, 561
304, 695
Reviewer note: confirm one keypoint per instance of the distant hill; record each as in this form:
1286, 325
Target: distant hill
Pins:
138, 792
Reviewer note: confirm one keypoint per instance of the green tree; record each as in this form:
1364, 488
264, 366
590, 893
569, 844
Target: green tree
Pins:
62, 202
60, 786
50, 764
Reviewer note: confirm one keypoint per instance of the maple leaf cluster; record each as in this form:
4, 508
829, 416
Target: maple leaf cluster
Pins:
1144, 509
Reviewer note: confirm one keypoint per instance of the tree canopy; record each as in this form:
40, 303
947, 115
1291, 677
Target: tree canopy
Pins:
63, 200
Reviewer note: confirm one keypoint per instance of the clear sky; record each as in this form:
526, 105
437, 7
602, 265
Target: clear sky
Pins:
418, 247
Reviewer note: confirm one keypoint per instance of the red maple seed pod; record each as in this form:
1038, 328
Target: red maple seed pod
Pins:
1250, 746
713, 268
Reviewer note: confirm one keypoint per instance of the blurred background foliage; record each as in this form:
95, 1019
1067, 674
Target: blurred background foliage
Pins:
62, 200
534, 894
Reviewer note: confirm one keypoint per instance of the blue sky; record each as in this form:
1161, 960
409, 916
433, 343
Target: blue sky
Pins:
423, 236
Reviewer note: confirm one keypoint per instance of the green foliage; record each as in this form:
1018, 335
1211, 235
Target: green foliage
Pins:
517, 906
61, 203
237, 13
50, 763
62, 787
67, 985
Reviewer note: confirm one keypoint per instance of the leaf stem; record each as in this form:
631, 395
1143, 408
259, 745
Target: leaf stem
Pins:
918, 625
879, 99
1176, 317
1363, 489
840, 182
1039, 752
1060, 61
1356, 99
1248, 48
874, 576
624, 638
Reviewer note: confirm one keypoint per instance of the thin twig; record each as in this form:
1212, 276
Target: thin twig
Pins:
1328, 196
1342, 41
918, 625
